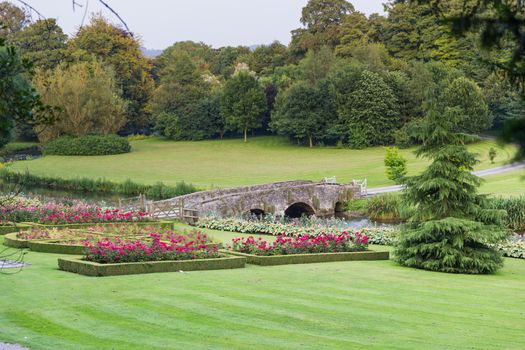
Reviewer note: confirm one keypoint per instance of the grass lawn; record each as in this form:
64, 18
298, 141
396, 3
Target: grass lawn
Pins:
342, 305
507, 184
230, 163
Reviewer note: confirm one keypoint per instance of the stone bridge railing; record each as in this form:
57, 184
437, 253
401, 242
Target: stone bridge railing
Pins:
291, 198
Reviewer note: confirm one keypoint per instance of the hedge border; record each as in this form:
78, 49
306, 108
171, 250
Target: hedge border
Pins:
10, 240
311, 258
5, 229
162, 224
55, 248
88, 268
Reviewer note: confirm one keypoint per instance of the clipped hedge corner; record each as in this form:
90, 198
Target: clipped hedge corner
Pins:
311, 258
88, 268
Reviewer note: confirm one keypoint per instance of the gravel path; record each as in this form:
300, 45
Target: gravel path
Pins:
486, 172
7, 346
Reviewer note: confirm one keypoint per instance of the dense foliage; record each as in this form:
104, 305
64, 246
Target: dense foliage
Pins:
451, 230
19, 101
346, 78
88, 145
88, 98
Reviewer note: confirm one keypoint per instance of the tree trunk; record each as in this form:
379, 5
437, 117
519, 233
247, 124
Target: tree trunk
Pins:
310, 140
245, 135
222, 134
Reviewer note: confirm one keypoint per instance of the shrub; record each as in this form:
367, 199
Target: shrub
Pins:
396, 165
515, 208
359, 206
89, 145
161, 191
384, 207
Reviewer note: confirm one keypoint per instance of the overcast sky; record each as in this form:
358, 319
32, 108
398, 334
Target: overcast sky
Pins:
160, 23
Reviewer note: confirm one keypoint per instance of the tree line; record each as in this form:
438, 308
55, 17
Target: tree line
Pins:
345, 78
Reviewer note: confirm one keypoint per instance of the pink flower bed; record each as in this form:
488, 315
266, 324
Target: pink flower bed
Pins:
179, 247
90, 216
302, 244
20, 209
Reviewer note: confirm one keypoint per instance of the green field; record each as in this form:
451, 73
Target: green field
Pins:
344, 305
507, 184
229, 163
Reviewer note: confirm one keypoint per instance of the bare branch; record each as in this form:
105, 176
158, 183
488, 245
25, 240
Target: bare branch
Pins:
118, 16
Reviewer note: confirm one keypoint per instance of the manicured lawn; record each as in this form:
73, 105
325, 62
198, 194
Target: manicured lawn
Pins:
346, 305
230, 163
508, 184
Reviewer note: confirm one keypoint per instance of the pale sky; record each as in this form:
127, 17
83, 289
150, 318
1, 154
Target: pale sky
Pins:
160, 23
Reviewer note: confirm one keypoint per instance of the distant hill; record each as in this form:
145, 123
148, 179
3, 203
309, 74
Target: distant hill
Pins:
150, 52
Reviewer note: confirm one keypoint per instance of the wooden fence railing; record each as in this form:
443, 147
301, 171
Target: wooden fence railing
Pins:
159, 210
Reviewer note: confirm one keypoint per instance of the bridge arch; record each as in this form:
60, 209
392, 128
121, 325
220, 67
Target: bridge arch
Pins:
259, 213
299, 209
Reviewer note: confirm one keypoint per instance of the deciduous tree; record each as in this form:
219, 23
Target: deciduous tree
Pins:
88, 98
243, 103
114, 46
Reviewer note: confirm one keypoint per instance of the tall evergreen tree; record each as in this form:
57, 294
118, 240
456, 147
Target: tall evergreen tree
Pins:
451, 231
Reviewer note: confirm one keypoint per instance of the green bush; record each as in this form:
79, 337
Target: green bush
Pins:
359, 206
515, 208
384, 207
89, 145
160, 191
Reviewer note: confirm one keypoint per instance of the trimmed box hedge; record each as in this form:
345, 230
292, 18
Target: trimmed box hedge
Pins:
5, 229
10, 240
54, 247
161, 224
89, 268
311, 258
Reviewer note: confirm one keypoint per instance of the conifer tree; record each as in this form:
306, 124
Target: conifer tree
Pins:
451, 230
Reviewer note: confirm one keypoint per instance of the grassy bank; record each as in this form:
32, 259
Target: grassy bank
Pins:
229, 163
341, 305
507, 184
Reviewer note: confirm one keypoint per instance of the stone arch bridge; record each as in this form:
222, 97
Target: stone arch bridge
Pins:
291, 198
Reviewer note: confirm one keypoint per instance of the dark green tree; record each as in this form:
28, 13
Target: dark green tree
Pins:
226, 59
466, 95
501, 24
243, 103
304, 111
265, 58
43, 43
176, 99
321, 20
353, 32
369, 111
316, 65
19, 101
504, 100
451, 231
